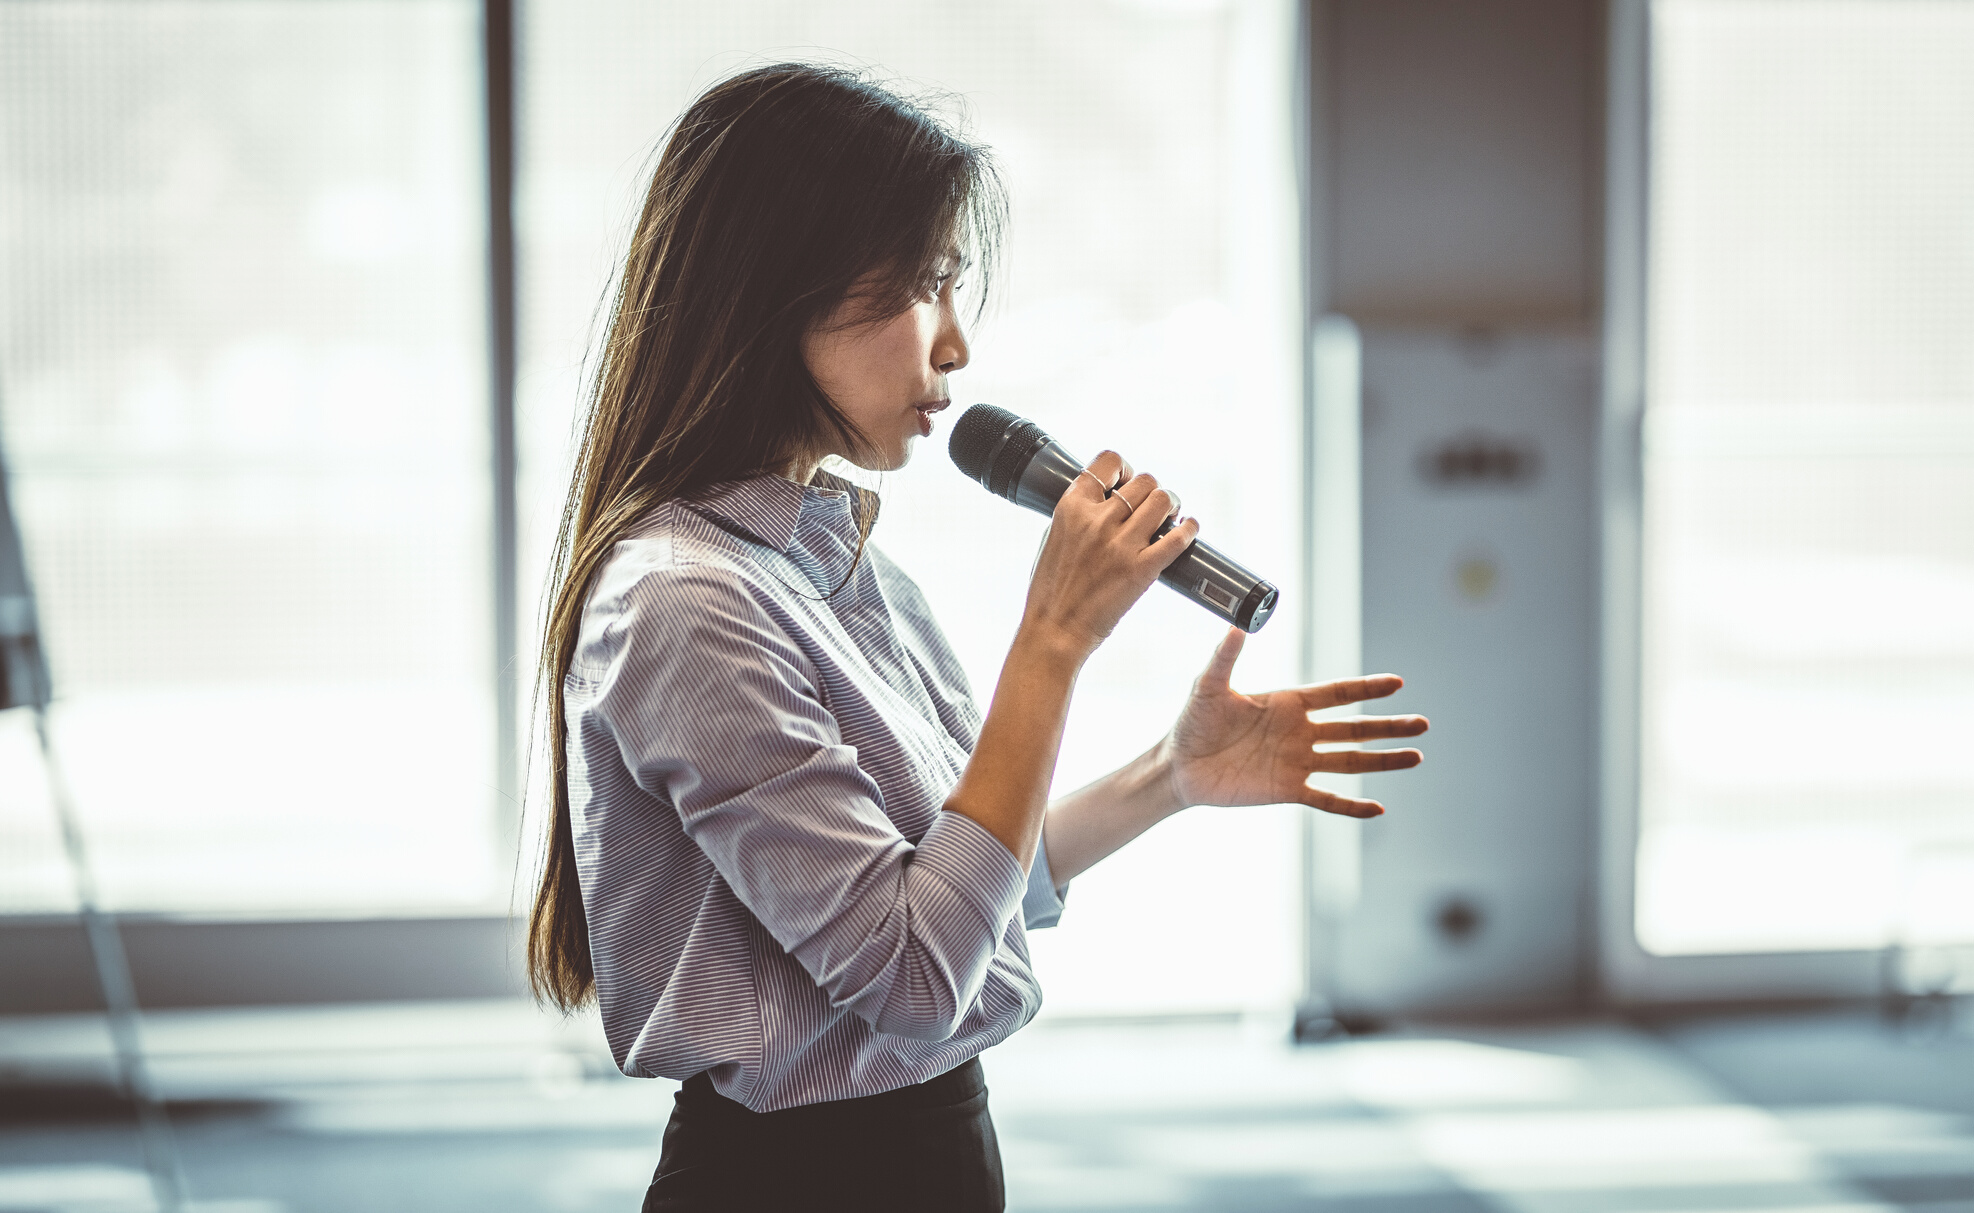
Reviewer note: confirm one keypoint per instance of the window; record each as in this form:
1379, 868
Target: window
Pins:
242, 352
1807, 779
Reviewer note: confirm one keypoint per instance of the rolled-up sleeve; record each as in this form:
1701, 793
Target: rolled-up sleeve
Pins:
1041, 905
716, 711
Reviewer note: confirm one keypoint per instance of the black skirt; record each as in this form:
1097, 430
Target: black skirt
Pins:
926, 1147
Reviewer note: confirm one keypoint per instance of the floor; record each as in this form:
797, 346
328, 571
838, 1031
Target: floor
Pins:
496, 1109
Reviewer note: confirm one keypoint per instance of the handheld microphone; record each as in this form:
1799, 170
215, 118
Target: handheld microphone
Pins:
1011, 457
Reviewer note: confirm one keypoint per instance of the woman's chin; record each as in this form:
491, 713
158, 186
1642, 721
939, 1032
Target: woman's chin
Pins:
886, 461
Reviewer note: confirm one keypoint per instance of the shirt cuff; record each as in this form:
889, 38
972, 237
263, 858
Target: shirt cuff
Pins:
973, 865
1041, 905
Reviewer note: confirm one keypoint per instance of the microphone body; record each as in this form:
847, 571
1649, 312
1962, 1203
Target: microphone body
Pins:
1012, 457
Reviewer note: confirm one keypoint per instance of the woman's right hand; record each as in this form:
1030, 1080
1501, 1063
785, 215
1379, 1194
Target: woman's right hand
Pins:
1099, 557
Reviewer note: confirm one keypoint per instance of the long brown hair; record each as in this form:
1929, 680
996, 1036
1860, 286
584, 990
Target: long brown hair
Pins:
778, 191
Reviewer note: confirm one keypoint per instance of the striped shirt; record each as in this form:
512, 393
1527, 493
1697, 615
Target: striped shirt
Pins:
756, 777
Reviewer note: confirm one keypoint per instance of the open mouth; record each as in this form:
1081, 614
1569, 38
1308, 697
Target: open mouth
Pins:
925, 412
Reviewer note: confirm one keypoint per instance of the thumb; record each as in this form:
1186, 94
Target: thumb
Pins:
1219, 672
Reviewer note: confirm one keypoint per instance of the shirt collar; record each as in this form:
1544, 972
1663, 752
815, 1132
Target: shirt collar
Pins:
770, 509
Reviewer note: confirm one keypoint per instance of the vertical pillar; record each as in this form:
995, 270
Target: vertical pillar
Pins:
497, 30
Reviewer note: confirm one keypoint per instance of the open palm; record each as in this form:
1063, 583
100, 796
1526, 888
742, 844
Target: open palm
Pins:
1233, 749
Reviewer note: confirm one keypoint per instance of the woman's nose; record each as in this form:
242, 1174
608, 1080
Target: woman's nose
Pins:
951, 353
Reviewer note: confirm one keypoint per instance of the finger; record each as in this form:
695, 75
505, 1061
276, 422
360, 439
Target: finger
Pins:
1149, 515
1365, 762
1368, 728
1219, 672
1348, 690
1137, 489
1167, 547
1166, 507
1106, 471
1342, 806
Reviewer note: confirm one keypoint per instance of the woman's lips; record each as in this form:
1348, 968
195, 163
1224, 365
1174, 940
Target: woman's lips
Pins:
925, 412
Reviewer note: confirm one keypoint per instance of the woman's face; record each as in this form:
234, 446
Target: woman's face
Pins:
888, 376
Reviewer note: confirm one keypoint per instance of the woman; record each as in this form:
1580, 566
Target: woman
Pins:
787, 855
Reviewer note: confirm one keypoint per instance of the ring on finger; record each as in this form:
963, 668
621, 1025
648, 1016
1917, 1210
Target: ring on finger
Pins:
1108, 490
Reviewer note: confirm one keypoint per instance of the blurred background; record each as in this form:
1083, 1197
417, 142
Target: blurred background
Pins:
1607, 369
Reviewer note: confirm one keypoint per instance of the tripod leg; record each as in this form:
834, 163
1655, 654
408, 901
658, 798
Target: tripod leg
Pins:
119, 995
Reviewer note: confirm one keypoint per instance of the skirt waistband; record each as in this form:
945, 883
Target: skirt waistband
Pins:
955, 1086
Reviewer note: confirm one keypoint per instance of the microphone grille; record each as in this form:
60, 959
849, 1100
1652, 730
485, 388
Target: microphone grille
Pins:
975, 436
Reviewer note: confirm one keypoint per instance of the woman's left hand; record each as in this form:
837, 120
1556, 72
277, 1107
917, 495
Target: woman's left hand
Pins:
1235, 749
